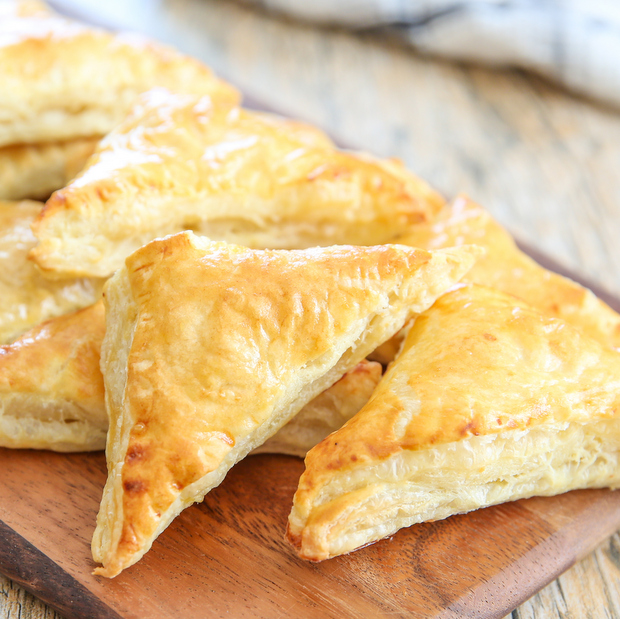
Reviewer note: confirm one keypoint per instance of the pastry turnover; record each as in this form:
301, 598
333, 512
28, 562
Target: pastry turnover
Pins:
51, 392
36, 170
182, 162
489, 401
51, 388
507, 268
27, 298
62, 80
210, 348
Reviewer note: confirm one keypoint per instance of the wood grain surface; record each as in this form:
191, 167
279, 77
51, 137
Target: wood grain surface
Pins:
542, 161
228, 557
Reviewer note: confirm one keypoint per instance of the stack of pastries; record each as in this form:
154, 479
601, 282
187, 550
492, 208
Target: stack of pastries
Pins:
206, 282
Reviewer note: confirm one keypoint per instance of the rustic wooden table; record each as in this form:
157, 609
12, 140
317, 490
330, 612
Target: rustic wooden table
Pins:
544, 162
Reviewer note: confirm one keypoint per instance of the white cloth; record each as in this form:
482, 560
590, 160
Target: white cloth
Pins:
576, 42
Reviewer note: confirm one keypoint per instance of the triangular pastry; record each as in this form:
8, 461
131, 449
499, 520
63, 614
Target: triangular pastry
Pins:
27, 298
62, 80
51, 388
211, 348
507, 268
34, 171
489, 401
52, 397
182, 162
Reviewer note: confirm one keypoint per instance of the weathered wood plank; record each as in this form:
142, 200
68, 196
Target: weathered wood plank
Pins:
17, 603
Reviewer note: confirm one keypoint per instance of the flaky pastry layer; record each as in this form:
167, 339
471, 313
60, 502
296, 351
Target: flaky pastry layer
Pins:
211, 348
27, 298
488, 401
436, 483
34, 171
326, 413
181, 162
51, 389
62, 79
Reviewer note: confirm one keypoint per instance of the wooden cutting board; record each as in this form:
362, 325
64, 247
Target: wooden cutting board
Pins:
227, 556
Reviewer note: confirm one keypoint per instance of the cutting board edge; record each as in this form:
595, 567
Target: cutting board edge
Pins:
610, 525
33, 570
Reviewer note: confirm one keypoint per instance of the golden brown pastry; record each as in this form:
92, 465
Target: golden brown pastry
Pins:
184, 163
507, 268
51, 388
62, 80
326, 413
51, 392
211, 348
27, 298
489, 401
36, 170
